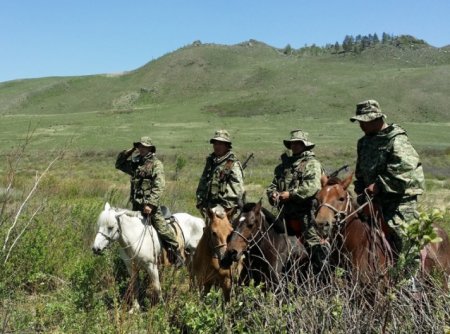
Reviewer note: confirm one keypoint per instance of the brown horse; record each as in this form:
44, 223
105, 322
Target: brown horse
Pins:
356, 245
270, 253
363, 245
205, 269
436, 257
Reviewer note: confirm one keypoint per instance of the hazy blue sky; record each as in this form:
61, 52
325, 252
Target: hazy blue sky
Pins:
41, 38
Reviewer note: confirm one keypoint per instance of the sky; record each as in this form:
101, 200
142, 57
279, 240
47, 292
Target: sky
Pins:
41, 38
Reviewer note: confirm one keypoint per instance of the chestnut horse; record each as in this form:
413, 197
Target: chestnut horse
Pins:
355, 244
205, 269
362, 246
270, 252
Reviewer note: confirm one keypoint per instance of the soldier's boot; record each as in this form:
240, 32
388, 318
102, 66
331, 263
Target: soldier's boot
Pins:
320, 261
174, 255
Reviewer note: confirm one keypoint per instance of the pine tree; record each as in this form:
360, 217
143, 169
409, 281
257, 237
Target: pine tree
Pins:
347, 44
287, 49
376, 40
336, 47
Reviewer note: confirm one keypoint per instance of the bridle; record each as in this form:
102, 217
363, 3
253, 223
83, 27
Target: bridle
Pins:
118, 231
340, 216
111, 239
215, 248
253, 240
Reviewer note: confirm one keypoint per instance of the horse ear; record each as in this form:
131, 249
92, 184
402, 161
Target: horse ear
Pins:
210, 212
347, 181
323, 180
107, 206
231, 213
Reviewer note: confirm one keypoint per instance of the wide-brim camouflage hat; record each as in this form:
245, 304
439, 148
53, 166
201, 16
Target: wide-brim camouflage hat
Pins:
367, 111
144, 141
221, 135
298, 135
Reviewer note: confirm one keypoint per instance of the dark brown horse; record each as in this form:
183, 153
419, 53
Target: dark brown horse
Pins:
270, 254
205, 269
363, 247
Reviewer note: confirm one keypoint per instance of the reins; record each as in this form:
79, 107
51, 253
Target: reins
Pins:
140, 240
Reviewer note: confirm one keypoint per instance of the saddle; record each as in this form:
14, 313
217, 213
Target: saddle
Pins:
175, 226
166, 212
295, 227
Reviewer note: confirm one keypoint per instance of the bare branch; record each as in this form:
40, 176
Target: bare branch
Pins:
19, 211
21, 233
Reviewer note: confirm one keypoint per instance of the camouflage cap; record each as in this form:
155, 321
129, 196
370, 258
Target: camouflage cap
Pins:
144, 141
221, 135
298, 135
367, 111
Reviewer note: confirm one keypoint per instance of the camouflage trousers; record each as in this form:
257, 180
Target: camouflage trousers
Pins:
317, 250
395, 213
161, 226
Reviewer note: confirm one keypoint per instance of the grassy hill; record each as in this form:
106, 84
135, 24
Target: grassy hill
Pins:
214, 85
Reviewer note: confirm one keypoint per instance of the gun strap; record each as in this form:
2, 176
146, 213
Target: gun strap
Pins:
227, 169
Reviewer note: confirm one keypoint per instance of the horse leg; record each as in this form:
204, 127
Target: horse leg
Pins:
205, 288
133, 286
155, 286
226, 288
164, 258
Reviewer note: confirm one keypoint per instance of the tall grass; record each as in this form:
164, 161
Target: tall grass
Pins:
53, 283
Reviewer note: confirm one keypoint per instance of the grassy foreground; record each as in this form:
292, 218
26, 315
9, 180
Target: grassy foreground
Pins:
51, 282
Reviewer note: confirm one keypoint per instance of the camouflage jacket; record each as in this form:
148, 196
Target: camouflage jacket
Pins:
300, 176
390, 161
222, 182
147, 177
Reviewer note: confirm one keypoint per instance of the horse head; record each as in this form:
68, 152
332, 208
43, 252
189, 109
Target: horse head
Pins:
248, 227
333, 204
108, 229
220, 229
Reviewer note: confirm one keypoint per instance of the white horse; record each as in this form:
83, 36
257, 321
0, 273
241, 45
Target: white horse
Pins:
140, 247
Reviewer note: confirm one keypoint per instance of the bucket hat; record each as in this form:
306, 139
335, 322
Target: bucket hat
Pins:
144, 141
298, 135
367, 111
221, 135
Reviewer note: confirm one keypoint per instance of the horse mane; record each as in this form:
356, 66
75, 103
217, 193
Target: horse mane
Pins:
333, 180
219, 211
130, 213
277, 224
122, 212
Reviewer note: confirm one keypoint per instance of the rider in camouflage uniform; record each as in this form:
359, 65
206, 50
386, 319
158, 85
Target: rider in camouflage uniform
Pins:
293, 189
147, 186
222, 180
387, 168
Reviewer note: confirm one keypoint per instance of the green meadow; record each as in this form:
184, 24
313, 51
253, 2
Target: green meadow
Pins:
49, 279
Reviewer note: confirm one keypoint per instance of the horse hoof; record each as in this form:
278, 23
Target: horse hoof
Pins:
136, 308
